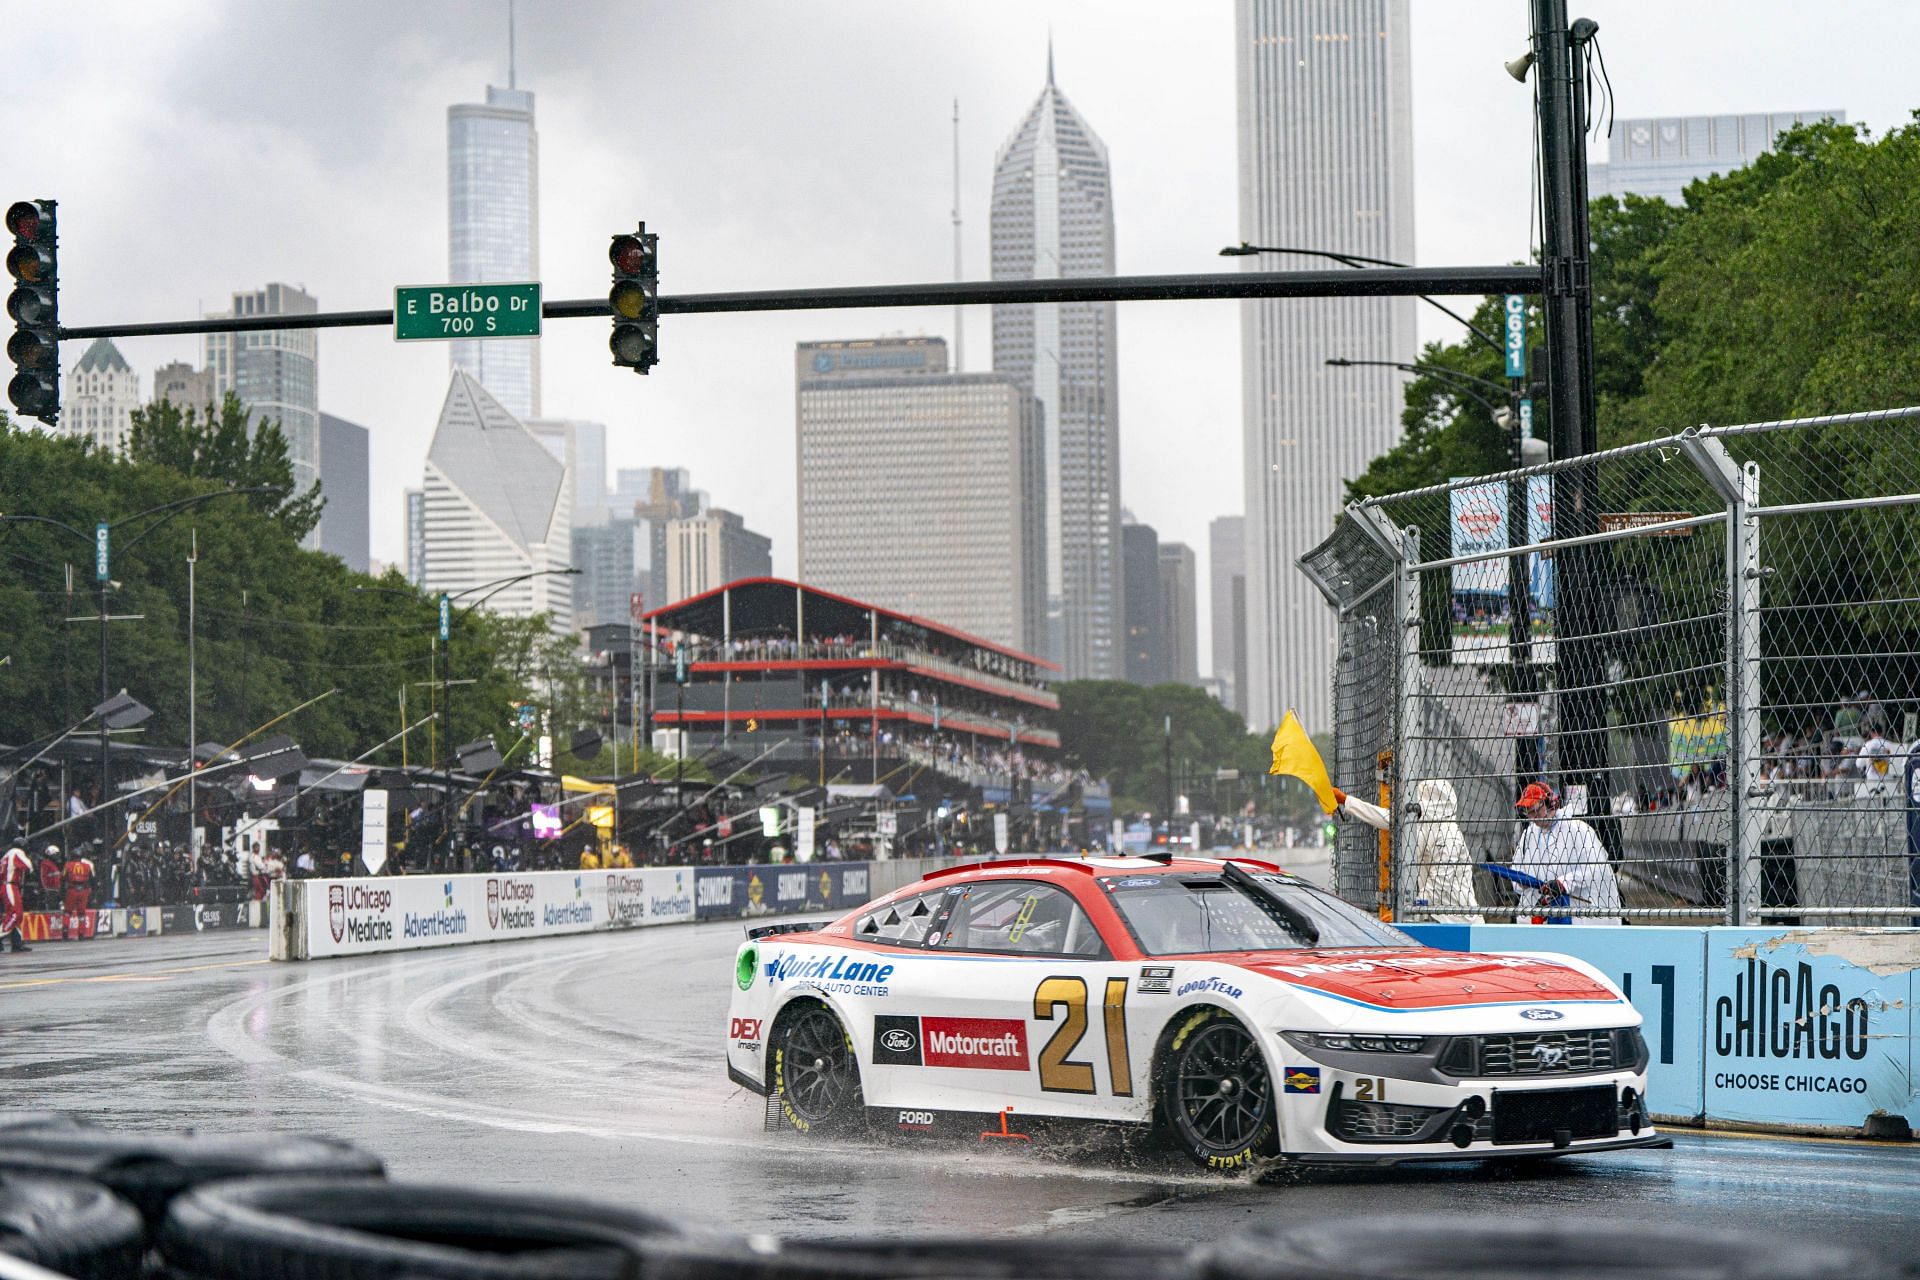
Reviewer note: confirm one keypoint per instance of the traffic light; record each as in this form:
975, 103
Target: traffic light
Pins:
35, 308
635, 299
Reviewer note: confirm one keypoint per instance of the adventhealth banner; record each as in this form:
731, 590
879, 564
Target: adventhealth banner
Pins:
1796, 1028
316, 918
397, 913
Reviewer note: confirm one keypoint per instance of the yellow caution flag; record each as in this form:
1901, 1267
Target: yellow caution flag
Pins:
1295, 756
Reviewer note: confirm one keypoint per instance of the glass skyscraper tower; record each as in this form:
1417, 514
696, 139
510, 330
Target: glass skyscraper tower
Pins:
1053, 217
1326, 162
493, 223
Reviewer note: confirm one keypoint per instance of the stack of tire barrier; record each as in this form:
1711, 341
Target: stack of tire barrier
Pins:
91, 1204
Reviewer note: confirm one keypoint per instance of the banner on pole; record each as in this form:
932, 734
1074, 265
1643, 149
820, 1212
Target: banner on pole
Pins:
373, 830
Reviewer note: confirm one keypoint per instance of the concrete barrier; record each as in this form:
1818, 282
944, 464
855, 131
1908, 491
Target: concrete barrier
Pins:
1800, 1030
313, 919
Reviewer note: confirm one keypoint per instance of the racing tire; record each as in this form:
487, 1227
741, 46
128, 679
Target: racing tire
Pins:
1216, 1093
1424, 1247
149, 1170
813, 1070
72, 1227
361, 1229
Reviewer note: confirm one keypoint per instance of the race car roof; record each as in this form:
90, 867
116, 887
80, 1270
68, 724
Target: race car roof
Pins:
1097, 866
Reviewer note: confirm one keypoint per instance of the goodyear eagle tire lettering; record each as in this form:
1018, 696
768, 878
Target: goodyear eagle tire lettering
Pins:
1216, 1095
815, 1073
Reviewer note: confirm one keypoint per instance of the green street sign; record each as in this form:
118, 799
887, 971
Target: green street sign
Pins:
427, 312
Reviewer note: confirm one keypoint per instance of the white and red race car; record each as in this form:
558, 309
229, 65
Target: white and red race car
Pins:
1251, 1014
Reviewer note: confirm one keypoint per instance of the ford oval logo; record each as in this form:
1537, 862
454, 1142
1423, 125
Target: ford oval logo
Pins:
897, 1040
1542, 1015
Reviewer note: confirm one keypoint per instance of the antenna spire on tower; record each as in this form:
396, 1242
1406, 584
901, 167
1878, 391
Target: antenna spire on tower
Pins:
1049, 57
959, 312
511, 84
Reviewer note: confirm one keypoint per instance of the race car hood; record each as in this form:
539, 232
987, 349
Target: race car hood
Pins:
1417, 978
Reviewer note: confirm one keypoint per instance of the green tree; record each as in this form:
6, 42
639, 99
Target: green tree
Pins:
224, 445
1118, 731
277, 625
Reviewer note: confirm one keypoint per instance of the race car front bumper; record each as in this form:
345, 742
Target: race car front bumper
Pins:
1388, 1158
1335, 1114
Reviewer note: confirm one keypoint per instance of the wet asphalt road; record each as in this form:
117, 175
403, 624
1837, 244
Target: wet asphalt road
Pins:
593, 1064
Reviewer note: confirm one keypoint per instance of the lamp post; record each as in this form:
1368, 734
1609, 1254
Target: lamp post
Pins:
101, 540
1245, 250
445, 605
1519, 530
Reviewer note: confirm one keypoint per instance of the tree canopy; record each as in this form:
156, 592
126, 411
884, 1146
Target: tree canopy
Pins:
1787, 288
276, 624
1118, 731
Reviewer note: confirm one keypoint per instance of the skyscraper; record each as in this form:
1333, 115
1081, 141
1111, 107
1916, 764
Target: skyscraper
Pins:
1326, 162
1659, 157
582, 446
102, 393
493, 231
1146, 648
1226, 566
712, 549
496, 505
185, 387
1053, 217
276, 374
343, 482
654, 497
919, 489
1179, 628
416, 520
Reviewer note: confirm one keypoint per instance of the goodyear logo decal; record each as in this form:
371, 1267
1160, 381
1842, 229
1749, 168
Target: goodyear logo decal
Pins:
1303, 1079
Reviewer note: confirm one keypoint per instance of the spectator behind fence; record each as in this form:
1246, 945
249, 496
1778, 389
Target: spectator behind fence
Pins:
1566, 855
1443, 865
1875, 764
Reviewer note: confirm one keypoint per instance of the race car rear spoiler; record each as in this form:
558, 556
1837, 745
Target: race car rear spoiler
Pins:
785, 926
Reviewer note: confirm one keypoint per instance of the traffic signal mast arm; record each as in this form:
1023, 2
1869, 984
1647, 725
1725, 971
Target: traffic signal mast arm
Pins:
1382, 282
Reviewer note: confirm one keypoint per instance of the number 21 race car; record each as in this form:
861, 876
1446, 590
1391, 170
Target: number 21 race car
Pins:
1253, 1016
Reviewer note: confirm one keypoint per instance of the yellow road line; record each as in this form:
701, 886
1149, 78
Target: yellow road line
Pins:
151, 975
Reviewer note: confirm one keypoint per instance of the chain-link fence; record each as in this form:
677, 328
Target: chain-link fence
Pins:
1706, 646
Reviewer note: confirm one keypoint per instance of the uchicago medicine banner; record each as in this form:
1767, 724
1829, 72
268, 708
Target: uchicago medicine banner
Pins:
315, 918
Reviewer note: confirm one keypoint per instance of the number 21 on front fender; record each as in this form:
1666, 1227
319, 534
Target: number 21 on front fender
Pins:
1065, 999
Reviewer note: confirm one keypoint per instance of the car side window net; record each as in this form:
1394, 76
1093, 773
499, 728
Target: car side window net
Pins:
1022, 917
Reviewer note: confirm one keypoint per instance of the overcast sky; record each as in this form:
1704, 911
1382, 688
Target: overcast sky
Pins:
204, 146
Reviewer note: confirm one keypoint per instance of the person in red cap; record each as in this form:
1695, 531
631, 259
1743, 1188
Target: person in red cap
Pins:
1567, 857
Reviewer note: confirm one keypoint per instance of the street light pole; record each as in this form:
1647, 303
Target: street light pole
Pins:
1244, 250
193, 705
1455, 378
1169, 765
1558, 52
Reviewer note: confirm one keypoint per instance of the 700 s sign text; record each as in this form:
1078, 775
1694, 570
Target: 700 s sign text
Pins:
466, 311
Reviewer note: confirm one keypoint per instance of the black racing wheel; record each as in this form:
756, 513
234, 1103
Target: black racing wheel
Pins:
816, 1075
1216, 1094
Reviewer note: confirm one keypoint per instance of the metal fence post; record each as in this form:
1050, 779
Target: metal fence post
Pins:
1406, 616
1740, 488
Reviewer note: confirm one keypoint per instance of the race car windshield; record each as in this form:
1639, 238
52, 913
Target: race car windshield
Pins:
1176, 915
